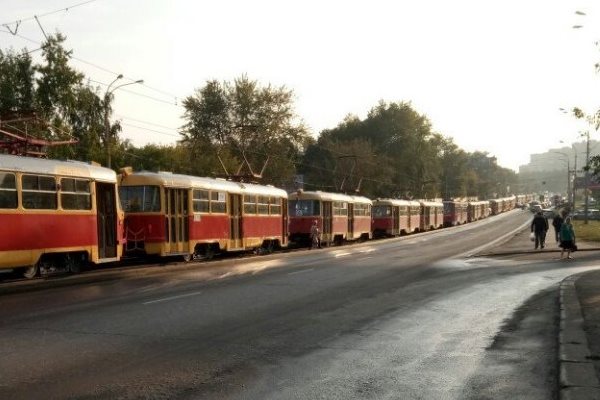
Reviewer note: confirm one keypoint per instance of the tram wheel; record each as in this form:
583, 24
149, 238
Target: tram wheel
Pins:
204, 252
72, 264
31, 271
187, 257
269, 247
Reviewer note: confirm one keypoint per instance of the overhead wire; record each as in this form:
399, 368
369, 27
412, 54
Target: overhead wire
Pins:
19, 21
174, 101
151, 130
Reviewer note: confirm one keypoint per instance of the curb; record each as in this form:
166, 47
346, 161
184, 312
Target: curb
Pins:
518, 252
577, 376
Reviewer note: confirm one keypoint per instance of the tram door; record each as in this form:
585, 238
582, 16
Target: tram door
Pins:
327, 221
285, 228
396, 220
106, 207
350, 221
235, 221
177, 224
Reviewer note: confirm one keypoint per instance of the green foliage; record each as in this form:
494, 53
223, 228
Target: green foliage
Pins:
56, 81
242, 121
395, 153
16, 82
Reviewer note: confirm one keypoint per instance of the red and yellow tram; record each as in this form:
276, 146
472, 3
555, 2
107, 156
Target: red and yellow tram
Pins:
393, 217
503, 204
432, 215
57, 215
477, 210
339, 217
169, 214
455, 213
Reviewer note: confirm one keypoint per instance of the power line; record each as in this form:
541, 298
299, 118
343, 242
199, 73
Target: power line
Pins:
146, 122
19, 21
132, 79
136, 93
174, 102
152, 130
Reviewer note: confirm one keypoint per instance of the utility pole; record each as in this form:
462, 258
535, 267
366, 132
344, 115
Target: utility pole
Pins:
107, 95
574, 181
587, 176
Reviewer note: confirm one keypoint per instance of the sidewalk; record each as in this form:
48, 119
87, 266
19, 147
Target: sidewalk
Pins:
520, 244
579, 337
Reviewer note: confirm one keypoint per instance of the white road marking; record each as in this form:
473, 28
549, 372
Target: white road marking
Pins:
341, 254
300, 272
172, 297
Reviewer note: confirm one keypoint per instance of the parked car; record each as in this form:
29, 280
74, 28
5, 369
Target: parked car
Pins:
593, 214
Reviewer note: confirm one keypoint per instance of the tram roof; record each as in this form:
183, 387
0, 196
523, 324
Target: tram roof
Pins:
479, 202
395, 202
56, 167
328, 196
188, 181
431, 203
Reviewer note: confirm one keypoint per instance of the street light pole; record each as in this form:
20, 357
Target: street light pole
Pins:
107, 94
587, 177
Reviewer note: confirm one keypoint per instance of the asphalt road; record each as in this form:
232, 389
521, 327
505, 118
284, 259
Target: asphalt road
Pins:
397, 319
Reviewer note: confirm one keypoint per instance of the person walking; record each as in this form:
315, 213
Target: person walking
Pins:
315, 235
557, 222
539, 226
567, 238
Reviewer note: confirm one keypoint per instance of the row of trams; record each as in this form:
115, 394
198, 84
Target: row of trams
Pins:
63, 215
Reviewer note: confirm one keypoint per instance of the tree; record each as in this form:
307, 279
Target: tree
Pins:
16, 82
245, 121
394, 148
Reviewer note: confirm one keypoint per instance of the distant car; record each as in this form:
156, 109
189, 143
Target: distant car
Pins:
535, 208
548, 213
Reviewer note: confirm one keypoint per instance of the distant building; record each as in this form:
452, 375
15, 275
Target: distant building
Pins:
547, 172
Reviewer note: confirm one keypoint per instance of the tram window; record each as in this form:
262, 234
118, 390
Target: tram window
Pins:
39, 192
274, 206
358, 210
201, 201
217, 202
382, 211
140, 198
304, 208
8, 191
263, 205
250, 204
340, 208
362, 210
75, 194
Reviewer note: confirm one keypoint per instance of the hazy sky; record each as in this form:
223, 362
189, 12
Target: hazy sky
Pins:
490, 74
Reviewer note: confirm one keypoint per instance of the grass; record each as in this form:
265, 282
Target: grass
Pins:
587, 233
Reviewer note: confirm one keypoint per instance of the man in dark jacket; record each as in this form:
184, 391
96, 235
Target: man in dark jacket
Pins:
557, 222
539, 226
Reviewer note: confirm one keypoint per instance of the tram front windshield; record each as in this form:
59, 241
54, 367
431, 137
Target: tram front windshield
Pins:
382, 211
140, 198
304, 208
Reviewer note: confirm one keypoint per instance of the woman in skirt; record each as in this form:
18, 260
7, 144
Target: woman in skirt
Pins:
567, 238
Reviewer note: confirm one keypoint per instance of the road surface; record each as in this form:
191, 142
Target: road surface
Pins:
408, 318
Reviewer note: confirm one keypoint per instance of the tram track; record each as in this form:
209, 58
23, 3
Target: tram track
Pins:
140, 267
